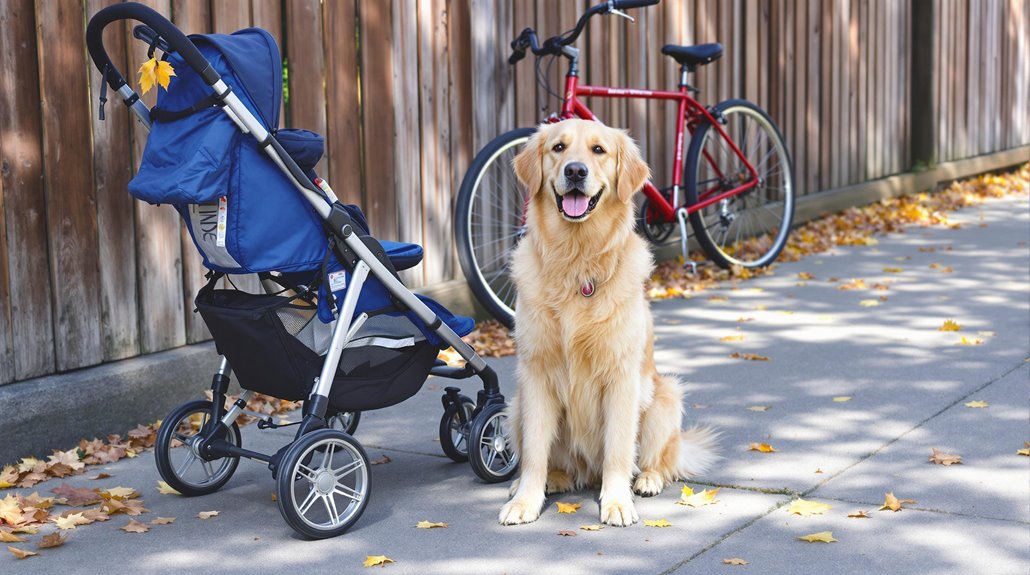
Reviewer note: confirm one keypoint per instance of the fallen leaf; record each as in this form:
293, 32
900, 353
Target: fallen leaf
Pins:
72, 521
6, 537
841, 398
591, 527
734, 561
761, 447
893, 503
818, 470
163, 521
807, 508
568, 507
429, 525
748, 356
860, 515
377, 560
869, 303
166, 489
657, 523
979, 404
567, 533
760, 408
893, 270
55, 539
941, 458
101, 476
134, 526
822, 536
382, 460
806, 276
20, 554
718, 298
967, 341
699, 499
745, 319
1025, 450
207, 514
732, 338
121, 493
76, 496
950, 325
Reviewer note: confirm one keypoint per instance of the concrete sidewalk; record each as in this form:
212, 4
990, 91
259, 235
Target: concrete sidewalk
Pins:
907, 380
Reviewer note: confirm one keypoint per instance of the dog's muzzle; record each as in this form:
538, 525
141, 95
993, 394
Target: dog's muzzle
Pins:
575, 204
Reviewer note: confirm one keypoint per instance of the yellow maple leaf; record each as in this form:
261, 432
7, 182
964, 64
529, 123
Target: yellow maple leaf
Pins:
1025, 450
806, 276
166, 489
941, 458
893, 270
591, 527
71, 521
978, 404
6, 537
568, 507
377, 560
732, 338
164, 73
699, 499
761, 447
859, 515
806, 508
869, 303
19, 553
967, 341
822, 536
841, 398
893, 503
657, 523
950, 325
429, 525
148, 75
734, 561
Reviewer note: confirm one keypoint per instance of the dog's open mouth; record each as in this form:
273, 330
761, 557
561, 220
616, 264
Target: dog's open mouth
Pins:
575, 204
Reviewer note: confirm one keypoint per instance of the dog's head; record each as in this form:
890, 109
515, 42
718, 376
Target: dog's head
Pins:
580, 165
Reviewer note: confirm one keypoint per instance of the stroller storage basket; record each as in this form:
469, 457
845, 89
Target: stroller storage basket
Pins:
386, 362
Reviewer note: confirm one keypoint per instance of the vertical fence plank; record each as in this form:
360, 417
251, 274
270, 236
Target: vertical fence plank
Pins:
826, 125
799, 147
228, 16
25, 204
863, 118
343, 128
526, 110
407, 67
378, 124
460, 114
192, 17
637, 51
112, 169
72, 217
306, 60
158, 239
810, 176
6, 334
854, 117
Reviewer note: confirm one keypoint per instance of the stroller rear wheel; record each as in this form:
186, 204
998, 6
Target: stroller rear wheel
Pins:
323, 483
492, 449
454, 435
177, 450
345, 421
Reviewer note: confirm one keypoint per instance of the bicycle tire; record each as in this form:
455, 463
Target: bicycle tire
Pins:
489, 223
760, 245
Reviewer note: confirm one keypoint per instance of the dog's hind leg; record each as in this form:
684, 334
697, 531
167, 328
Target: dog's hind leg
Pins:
658, 441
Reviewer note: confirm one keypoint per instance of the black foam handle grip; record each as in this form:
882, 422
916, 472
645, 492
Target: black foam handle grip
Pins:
627, 4
177, 41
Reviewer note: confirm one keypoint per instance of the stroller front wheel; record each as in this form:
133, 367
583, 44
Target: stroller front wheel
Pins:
323, 483
178, 455
491, 445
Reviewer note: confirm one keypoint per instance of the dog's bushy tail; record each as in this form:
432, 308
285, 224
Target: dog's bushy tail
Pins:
697, 451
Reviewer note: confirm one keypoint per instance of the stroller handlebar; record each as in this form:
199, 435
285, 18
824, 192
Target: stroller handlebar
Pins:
176, 40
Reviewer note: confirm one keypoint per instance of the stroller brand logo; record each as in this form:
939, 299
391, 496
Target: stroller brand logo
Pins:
207, 216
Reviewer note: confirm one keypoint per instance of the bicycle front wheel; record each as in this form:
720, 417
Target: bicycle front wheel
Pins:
490, 217
750, 228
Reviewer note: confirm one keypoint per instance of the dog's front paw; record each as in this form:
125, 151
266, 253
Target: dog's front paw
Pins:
649, 483
520, 510
619, 512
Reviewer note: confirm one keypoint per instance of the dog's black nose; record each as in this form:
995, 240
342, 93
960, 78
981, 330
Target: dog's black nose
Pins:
576, 171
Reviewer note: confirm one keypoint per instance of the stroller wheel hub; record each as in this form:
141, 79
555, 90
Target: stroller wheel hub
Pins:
499, 444
325, 482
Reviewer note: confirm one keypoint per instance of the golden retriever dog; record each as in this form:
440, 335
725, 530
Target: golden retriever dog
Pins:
591, 408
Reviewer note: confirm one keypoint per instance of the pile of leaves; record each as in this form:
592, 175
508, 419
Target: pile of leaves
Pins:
30, 471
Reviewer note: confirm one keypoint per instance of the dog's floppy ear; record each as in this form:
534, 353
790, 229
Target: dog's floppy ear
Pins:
632, 170
528, 165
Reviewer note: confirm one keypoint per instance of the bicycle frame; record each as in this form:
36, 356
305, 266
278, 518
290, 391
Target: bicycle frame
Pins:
689, 115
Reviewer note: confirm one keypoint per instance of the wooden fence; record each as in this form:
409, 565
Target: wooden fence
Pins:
405, 92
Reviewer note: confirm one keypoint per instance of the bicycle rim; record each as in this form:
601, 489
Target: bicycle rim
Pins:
495, 224
750, 228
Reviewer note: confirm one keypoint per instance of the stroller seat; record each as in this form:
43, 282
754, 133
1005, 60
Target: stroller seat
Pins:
402, 255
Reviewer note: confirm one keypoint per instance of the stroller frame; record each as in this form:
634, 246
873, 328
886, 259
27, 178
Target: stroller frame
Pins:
218, 438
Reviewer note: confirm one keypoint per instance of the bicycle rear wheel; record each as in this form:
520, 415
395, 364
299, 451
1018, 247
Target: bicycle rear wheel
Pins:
748, 229
490, 221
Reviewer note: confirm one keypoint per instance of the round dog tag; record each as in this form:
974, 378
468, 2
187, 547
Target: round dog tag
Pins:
587, 289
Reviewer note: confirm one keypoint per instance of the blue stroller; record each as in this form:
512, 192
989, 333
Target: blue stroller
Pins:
335, 327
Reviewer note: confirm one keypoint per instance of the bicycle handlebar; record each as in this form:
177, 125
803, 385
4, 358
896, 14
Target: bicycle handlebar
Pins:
553, 45
176, 40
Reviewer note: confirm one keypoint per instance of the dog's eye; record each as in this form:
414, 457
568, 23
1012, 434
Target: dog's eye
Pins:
597, 150
559, 147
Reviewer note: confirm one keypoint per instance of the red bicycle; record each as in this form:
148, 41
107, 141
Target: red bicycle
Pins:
736, 186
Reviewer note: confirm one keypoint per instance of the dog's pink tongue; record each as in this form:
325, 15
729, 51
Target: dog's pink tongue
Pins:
574, 204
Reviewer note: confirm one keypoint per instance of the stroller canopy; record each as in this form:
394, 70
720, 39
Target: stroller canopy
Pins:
254, 58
